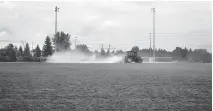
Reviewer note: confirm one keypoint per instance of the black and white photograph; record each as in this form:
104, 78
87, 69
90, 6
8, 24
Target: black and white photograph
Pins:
105, 55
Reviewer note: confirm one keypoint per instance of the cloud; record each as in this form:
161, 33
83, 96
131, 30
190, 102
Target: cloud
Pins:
6, 31
3, 33
8, 5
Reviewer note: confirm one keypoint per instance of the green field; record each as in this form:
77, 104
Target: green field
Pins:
107, 87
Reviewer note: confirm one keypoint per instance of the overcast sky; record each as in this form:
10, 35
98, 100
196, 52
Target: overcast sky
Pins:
122, 24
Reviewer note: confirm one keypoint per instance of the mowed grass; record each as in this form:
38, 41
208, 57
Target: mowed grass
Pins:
105, 87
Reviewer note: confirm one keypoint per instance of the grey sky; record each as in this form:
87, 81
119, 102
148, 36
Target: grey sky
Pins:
122, 24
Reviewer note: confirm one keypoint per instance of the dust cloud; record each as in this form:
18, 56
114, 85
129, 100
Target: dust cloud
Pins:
79, 57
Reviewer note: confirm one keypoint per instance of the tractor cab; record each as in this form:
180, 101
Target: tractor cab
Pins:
132, 56
131, 53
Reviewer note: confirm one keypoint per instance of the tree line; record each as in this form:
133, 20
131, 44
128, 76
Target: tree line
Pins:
61, 42
179, 54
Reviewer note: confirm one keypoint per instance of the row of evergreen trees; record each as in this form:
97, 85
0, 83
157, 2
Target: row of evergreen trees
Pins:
11, 53
60, 42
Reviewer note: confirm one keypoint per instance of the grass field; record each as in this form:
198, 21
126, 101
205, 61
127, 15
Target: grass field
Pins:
107, 87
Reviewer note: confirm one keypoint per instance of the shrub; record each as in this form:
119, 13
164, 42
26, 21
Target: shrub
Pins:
5, 59
28, 58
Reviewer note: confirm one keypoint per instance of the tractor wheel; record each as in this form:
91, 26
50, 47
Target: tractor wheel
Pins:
139, 61
129, 60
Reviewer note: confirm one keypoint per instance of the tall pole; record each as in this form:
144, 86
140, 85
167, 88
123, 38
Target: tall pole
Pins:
56, 10
153, 10
150, 47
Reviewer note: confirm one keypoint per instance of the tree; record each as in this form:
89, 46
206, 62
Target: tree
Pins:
135, 48
107, 53
82, 48
176, 54
47, 47
61, 41
2, 50
119, 52
190, 50
37, 51
184, 53
103, 53
27, 50
19, 52
113, 52
207, 57
201, 55
15, 49
10, 52
96, 51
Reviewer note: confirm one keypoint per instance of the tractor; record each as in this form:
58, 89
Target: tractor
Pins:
132, 56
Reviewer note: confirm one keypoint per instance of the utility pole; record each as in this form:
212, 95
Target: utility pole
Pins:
153, 10
56, 10
150, 47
